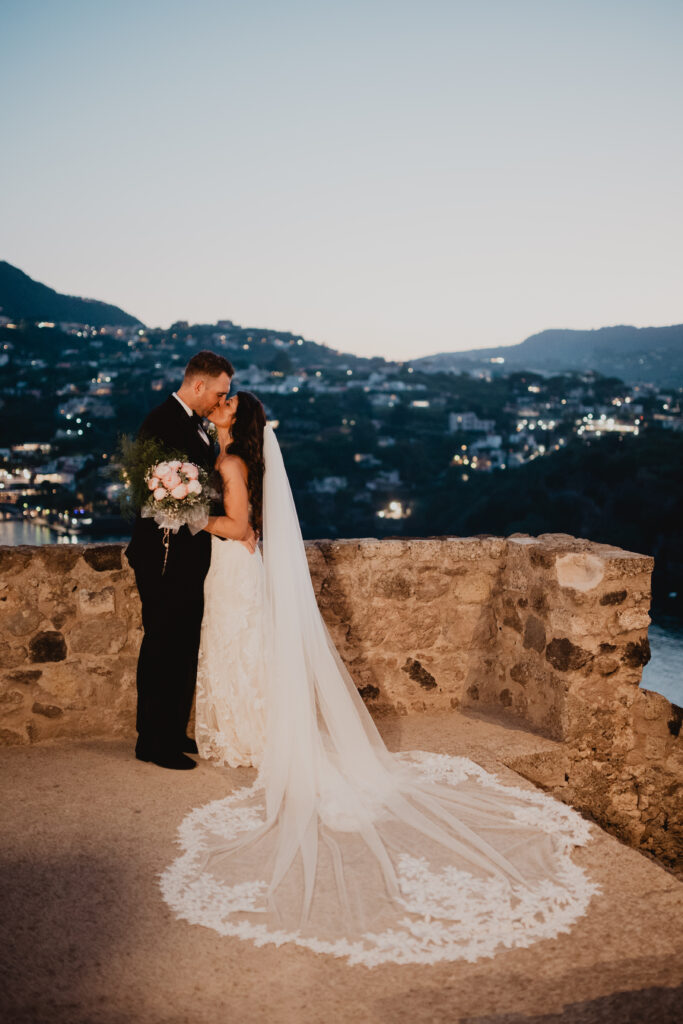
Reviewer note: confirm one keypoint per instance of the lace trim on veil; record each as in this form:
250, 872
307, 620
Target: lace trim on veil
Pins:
445, 915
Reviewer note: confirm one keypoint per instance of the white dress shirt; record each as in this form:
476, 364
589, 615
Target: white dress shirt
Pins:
190, 413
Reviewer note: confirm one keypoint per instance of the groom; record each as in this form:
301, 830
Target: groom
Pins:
173, 598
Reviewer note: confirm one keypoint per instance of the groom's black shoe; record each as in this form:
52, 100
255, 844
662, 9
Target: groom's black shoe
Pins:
189, 746
176, 761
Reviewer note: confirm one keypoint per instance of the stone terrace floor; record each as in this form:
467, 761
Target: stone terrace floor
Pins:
87, 939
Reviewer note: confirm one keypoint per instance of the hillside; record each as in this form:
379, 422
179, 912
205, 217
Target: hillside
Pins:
653, 354
635, 354
23, 298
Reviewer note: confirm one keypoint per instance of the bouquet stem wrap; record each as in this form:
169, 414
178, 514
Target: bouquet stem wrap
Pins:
194, 518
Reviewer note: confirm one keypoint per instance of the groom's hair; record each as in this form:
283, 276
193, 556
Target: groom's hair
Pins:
208, 364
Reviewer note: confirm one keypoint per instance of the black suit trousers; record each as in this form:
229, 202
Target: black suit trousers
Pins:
172, 610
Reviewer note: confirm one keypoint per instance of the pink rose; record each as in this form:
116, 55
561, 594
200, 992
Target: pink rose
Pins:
153, 483
194, 487
160, 493
190, 471
175, 464
180, 491
171, 480
162, 469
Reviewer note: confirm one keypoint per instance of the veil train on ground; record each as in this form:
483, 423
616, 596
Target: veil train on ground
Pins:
345, 848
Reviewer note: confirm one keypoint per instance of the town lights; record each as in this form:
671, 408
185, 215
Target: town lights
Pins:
394, 510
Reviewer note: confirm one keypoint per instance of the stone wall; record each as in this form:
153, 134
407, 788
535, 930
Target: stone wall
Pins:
69, 636
550, 630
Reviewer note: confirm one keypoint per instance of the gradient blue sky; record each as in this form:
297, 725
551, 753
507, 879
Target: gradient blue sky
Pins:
386, 177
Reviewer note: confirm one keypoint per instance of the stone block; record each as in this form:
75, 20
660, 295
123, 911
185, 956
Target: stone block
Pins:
548, 769
14, 560
432, 585
97, 602
47, 646
12, 654
417, 672
579, 570
103, 557
636, 653
395, 586
534, 633
11, 698
59, 559
48, 710
566, 656
511, 617
605, 665
630, 619
98, 636
520, 673
25, 677
22, 620
12, 738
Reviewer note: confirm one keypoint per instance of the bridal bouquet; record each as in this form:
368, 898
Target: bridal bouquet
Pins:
178, 496
163, 485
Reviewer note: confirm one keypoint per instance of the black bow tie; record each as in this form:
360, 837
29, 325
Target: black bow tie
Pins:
197, 419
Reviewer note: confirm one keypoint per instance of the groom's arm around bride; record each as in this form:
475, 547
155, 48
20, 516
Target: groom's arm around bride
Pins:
171, 583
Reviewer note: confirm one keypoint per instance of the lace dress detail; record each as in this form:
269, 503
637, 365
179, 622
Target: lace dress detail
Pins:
230, 707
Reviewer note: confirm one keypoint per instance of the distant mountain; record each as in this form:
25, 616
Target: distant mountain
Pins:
632, 353
23, 298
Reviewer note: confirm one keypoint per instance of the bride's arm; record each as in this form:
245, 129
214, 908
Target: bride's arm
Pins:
234, 525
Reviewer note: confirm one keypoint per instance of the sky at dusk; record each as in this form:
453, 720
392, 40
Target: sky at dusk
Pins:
389, 178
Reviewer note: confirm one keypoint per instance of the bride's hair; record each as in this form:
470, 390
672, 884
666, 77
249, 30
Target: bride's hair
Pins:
247, 442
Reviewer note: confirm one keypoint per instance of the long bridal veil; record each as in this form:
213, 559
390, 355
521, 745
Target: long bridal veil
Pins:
346, 848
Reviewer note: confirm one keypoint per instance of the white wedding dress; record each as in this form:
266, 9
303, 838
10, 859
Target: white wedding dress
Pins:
230, 710
339, 845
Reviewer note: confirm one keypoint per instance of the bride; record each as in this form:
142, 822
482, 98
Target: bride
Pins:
339, 845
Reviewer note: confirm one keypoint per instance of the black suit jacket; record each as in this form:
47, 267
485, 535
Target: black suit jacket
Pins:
188, 555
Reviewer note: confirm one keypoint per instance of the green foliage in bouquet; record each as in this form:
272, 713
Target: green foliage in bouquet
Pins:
135, 457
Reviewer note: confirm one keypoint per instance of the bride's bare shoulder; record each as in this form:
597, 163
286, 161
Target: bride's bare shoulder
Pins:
232, 466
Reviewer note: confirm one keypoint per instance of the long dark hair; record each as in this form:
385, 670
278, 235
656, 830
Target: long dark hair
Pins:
247, 442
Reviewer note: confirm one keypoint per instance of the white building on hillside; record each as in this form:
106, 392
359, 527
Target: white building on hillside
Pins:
468, 421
